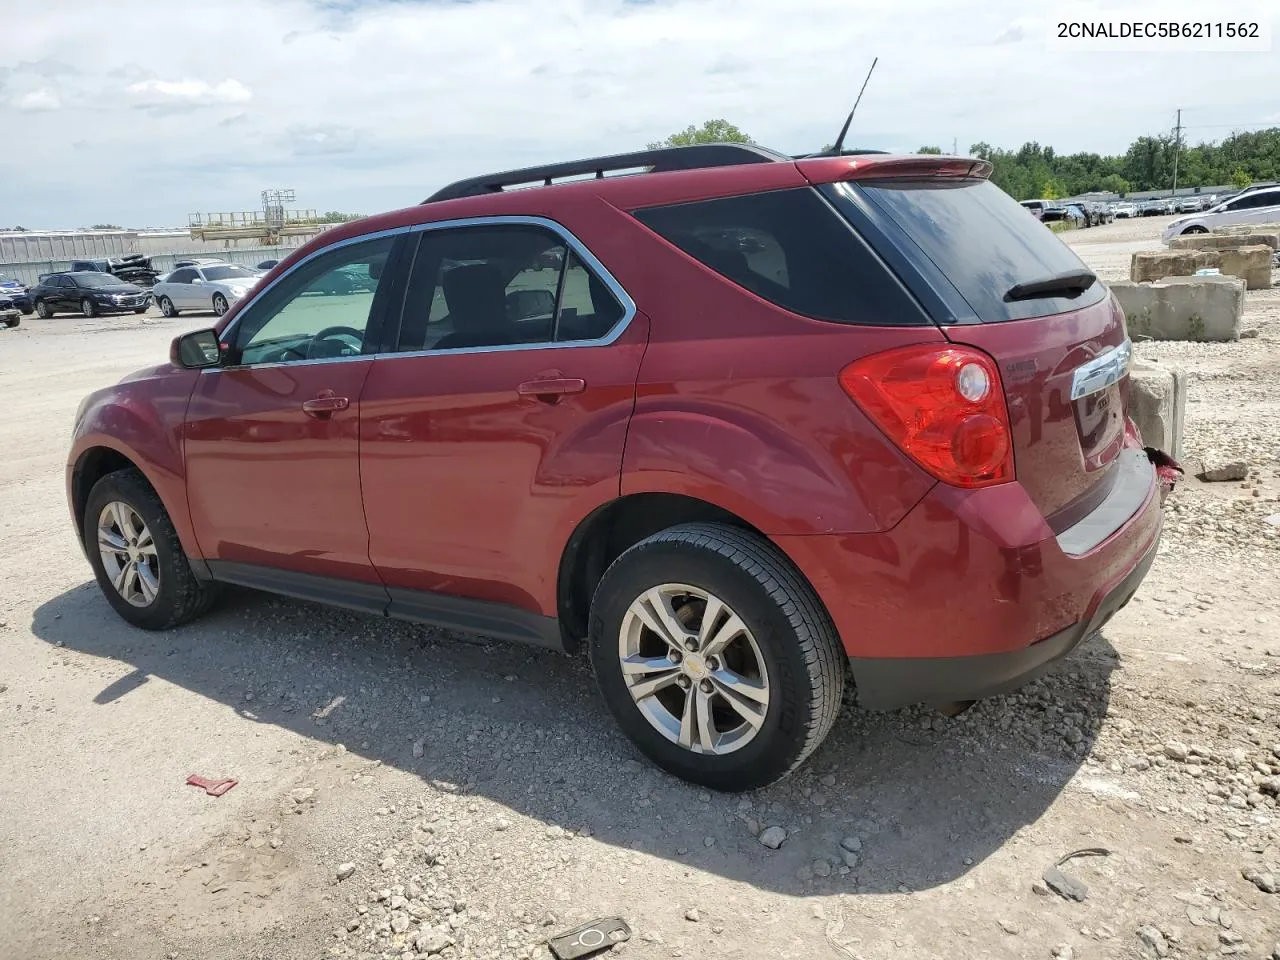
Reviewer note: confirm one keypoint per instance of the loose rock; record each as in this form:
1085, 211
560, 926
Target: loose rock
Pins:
1176, 750
773, 837
692, 915
1262, 879
1224, 472
345, 870
1154, 940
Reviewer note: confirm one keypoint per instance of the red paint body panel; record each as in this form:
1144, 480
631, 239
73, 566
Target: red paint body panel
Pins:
472, 489
270, 485
965, 573
141, 418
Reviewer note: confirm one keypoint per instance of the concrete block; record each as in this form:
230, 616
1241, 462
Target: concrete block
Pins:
1158, 264
1250, 264
1158, 405
1220, 241
1182, 308
1240, 229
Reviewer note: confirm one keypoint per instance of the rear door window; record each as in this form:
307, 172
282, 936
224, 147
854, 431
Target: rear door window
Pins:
790, 248
982, 240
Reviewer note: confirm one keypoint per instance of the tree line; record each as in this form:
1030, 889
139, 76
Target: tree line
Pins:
1033, 171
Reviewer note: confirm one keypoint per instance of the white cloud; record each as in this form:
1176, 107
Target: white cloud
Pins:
38, 100
197, 92
366, 106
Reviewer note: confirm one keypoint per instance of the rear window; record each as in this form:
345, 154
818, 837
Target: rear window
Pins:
983, 241
792, 249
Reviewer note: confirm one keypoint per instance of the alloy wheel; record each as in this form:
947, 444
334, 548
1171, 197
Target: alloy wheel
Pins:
128, 554
694, 669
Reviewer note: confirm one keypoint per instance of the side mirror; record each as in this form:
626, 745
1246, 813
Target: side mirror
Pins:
196, 280
195, 350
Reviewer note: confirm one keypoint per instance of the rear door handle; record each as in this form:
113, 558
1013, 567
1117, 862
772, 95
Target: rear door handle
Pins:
323, 406
550, 391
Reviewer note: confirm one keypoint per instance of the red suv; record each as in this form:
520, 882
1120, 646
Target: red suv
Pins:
745, 427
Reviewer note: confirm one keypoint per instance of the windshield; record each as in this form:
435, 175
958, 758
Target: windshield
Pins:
983, 242
98, 280
228, 273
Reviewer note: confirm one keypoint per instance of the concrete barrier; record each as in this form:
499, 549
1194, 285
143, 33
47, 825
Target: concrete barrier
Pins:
1158, 405
1252, 264
1239, 229
1182, 308
1220, 241
1148, 265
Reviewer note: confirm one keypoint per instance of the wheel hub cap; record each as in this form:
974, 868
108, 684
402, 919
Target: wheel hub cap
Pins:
128, 554
694, 669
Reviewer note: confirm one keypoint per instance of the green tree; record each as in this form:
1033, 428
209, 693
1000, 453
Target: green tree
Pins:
935, 150
1240, 179
713, 131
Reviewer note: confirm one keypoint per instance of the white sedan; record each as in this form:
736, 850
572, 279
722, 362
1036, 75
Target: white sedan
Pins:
1255, 205
208, 286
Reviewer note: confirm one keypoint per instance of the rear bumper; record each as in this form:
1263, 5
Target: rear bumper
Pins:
886, 683
972, 594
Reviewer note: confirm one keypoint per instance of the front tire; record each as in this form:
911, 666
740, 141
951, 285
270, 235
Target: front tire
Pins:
1194, 230
12, 322
140, 310
136, 555
219, 304
88, 309
167, 308
733, 702
42, 310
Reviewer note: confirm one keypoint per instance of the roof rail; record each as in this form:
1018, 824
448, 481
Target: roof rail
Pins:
648, 161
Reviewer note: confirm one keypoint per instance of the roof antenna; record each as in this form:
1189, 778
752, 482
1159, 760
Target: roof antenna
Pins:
838, 147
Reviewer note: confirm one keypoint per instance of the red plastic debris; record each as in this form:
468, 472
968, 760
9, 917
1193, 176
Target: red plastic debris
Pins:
214, 788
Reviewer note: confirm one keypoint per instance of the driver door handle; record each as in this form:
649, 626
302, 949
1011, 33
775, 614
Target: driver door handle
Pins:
552, 389
324, 404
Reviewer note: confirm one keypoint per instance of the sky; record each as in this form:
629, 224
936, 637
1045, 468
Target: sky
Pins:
141, 117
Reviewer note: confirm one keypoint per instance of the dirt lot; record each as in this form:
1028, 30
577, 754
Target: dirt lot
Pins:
482, 800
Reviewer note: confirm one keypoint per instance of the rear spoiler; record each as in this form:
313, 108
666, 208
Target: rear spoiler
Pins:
893, 167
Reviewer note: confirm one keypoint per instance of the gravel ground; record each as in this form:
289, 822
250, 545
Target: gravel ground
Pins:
406, 793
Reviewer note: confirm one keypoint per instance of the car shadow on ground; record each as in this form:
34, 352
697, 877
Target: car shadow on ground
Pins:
926, 796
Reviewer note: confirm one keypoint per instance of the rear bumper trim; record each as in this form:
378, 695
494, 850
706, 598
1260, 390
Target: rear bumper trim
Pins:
1134, 484
885, 683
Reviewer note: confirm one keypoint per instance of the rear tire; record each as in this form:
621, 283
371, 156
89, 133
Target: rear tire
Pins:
42, 310
792, 698
174, 596
88, 309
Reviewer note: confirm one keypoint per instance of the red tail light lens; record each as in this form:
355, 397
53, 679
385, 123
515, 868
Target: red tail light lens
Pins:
942, 405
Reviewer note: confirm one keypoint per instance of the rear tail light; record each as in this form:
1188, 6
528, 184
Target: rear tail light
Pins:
942, 405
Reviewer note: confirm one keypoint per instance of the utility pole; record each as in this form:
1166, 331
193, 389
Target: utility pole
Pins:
955, 152
1177, 148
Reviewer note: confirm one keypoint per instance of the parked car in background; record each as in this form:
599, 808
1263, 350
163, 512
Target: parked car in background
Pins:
1098, 213
1260, 205
17, 294
417, 418
1075, 214
131, 269
10, 315
267, 265
1125, 210
208, 286
1037, 207
198, 262
87, 293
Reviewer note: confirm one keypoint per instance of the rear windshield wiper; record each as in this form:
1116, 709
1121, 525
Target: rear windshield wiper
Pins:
1070, 284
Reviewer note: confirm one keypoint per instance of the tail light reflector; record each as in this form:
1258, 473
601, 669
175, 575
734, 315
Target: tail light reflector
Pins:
942, 405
